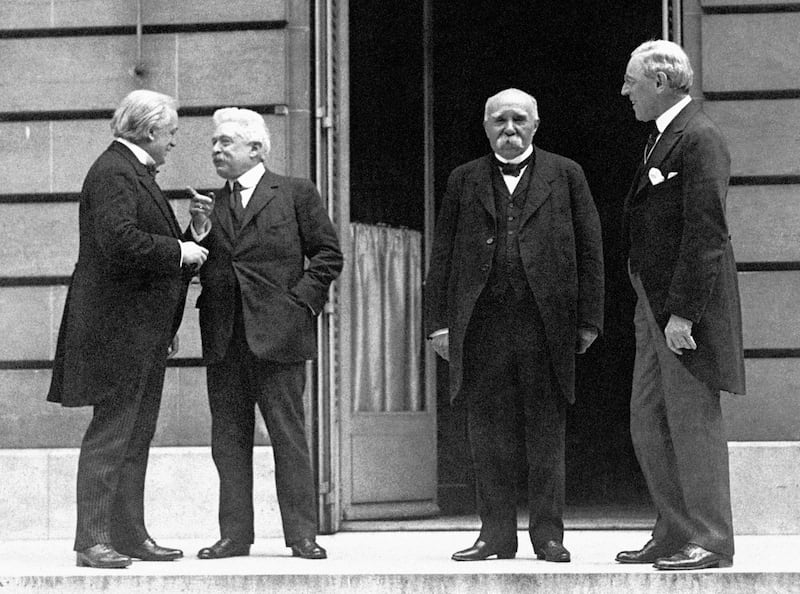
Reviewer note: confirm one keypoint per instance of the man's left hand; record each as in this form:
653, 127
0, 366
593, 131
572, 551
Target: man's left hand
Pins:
679, 334
586, 336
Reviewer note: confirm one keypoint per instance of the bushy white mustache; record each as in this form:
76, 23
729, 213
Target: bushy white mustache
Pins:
515, 140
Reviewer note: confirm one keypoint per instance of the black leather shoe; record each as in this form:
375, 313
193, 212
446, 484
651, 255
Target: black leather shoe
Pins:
307, 548
648, 553
482, 550
224, 547
552, 551
150, 551
693, 557
102, 556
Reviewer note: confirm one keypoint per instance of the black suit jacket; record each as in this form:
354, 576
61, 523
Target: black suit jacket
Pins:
561, 248
677, 241
126, 295
283, 260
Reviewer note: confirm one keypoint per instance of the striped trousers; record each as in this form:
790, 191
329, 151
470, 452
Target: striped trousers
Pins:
113, 463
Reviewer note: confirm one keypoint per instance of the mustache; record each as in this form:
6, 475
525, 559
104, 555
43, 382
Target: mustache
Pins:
509, 140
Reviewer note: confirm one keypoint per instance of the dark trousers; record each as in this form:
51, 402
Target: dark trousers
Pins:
514, 404
113, 463
236, 385
679, 438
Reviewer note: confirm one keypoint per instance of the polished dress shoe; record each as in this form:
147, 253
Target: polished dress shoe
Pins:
150, 551
224, 547
693, 556
102, 556
307, 548
552, 551
648, 553
482, 550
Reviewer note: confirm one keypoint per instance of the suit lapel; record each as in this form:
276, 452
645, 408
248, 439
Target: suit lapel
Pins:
265, 191
161, 201
482, 187
538, 188
669, 138
150, 184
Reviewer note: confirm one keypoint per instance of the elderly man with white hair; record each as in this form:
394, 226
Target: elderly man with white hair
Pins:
513, 293
688, 317
273, 253
124, 305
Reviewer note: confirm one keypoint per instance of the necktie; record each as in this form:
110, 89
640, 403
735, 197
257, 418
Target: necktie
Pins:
151, 169
513, 168
651, 142
236, 203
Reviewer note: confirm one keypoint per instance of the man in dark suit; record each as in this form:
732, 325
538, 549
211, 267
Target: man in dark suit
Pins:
514, 291
123, 307
273, 253
688, 318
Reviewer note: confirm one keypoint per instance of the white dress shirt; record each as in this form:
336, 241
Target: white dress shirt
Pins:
248, 180
511, 180
665, 119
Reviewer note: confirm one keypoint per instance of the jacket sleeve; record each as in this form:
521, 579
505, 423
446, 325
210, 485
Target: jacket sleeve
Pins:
439, 271
588, 251
320, 246
705, 166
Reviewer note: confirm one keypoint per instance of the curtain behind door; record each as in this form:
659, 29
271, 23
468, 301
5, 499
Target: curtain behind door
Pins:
386, 268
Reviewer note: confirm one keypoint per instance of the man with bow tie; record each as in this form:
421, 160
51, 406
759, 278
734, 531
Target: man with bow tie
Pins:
687, 319
273, 254
513, 292
123, 307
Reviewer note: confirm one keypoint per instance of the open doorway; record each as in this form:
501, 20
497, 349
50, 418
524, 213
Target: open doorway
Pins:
571, 58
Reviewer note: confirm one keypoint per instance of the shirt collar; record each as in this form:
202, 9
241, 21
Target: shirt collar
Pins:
665, 119
141, 155
251, 177
518, 158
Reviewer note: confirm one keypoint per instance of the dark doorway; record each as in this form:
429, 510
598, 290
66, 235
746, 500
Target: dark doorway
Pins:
571, 57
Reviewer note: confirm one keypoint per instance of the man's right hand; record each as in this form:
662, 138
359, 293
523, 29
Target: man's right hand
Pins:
441, 344
200, 207
193, 254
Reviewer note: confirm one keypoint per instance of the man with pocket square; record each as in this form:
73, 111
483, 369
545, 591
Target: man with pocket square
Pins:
688, 316
273, 254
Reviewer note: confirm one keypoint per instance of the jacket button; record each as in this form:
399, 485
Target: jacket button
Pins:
484, 267
490, 241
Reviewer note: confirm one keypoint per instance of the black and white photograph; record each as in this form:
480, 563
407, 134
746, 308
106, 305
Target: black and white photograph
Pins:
305, 296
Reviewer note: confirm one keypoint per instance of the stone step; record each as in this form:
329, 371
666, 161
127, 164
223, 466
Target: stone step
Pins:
404, 562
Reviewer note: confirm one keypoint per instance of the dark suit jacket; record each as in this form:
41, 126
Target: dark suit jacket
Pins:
283, 260
677, 241
126, 296
560, 245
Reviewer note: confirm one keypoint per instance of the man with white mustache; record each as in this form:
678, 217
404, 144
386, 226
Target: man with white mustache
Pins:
513, 293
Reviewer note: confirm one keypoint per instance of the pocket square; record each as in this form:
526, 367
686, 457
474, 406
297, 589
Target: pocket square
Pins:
655, 175
672, 174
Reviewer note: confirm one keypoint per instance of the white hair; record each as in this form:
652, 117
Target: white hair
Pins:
668, 57
139, 112
533, 109
251, 126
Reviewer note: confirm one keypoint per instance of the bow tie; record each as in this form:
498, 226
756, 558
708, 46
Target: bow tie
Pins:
513, 168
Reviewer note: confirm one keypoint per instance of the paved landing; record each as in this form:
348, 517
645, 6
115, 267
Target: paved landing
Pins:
385, 562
